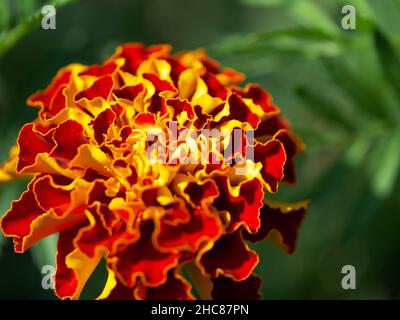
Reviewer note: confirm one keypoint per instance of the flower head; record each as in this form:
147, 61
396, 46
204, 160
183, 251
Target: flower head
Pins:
157, 163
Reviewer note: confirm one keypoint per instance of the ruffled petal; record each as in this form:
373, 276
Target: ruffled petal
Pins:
230, 257
227, 289
273, 157
175, 288
240, 111
31, 143
101, 125
201, 228
280, 223
27, 222
293, 146
141, 260
52, 100
242, 209
73, 268
100, 89
8, 170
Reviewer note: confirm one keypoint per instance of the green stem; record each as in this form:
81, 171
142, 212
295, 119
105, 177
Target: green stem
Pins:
10, 38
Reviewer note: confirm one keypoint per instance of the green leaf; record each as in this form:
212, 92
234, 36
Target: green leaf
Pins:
361, 213
387, 14
28, 22
324, 108
95, 285
385, 165
258, 54
311, 15
263, 3
363, 9
44, 252
367, 100
25, 8
10, 37
4, 15
262, 52
389, 60
358, 150
2, 241
305, 12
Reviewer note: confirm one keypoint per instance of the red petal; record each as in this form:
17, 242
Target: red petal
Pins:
101, 124
211, 65
176, 212
237, 146
94, 235
28, 222
270, 126
101, 88
91, 175
160, 85
69, 136
136, 53
145, 118
176, 68
158, 104
17, 221
105, 231
201, 228
200, 193
259, 97
129, 92
240, 111
215, 88
231, 257
57, 104
142, 259
31, 143
243, 209
50, 196
293, 146
100, 71
65, 278
176, 288
98, 193
273, 157
180, 106
228, 289
285, 219
43, 98
203, 119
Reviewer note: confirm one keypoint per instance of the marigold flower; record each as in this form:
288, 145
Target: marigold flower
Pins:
192, 203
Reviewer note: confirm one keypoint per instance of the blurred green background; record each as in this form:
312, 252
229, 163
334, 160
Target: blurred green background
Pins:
340, 89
